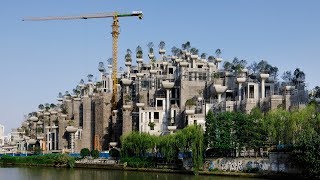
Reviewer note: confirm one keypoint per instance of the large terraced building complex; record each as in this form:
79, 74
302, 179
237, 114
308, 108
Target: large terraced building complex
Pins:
157, 97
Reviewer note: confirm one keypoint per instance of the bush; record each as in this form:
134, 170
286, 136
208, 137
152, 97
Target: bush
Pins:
114, 153
95, 153
48, 159
137, 162
84, 152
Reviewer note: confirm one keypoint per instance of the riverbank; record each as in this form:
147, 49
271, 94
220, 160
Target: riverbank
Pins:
58, 161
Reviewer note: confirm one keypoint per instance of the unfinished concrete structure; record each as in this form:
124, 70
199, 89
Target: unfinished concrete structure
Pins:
157, 97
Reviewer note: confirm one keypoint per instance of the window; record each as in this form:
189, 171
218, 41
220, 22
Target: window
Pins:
251, 91
170, 70
156, 115
159, 103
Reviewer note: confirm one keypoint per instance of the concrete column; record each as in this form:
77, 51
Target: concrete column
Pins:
263, 93
76, 110
239, 91
219, 97
87, 121
127, 119
263, 78
72, 142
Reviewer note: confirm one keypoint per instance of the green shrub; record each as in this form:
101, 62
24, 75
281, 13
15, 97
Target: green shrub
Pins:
84, 152
114, 153
95, 153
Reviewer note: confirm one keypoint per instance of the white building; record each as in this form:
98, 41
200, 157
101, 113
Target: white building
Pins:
1, 135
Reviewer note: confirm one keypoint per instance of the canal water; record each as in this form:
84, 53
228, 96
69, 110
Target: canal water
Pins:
40, 173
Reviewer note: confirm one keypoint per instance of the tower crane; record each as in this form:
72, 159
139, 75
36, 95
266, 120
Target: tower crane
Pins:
115, 36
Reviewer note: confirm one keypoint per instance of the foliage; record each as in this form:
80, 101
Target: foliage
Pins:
236, 65
84, 152
218, 52
150, 46
128, 55
190, 102
211, 58
315, 93
175, 51
162, 45
139, 52
186, 46
194, 51
114, 153
203, 56
139, 162
264, 67
95, 153
47, 159
137, 145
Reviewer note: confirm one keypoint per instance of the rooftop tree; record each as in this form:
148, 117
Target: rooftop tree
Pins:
218, 52
150, 46
203, 56
162, 45
101, 67
139, 52
186, 46
194, 51
128, 55
211, 59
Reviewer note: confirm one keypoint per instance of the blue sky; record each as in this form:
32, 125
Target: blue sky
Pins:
40, 59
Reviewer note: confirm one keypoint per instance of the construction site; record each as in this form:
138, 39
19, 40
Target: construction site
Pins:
174, 88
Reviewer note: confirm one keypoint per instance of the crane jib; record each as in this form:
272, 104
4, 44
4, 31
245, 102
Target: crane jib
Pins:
126, 15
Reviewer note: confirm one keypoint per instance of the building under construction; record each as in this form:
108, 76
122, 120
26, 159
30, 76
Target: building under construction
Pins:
157, 95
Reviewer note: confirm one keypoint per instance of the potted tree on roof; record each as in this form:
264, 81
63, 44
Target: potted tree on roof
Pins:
203, 56
175, 52
218, 58
139, 54
151, 54
101, 67
190, 106
81, 83
186, 47
194, 53
60, 97
41, 107
90, 78
110, 60
162, 46
211, 58
128, 56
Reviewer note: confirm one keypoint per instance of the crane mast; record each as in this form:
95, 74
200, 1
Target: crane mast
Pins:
115, 38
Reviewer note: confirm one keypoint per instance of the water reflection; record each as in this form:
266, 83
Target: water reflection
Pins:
40, 173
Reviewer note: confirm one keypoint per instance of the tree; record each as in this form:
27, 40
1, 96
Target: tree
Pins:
203, 56
298, 76
218, 52
114, 153
101, 67
84, 152
95, 153
175, 51
162, 45
287, 76
128, 55
211, 58
90, 77
139, 52
186, 46
194, 51
150, 46
41, 106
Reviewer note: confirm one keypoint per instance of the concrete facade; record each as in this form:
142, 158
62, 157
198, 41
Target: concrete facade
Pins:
158, 97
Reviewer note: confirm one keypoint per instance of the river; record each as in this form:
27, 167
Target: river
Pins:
40, 173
